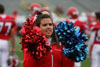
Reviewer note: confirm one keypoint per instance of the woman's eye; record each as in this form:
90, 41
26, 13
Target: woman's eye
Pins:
50, 24
44, 24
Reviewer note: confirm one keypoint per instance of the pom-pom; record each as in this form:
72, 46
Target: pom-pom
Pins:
33, 39
73, 41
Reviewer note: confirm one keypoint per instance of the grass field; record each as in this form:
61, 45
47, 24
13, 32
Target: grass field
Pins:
85, 63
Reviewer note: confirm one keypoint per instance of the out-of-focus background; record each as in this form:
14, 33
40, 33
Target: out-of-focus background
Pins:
59, 7
23, 5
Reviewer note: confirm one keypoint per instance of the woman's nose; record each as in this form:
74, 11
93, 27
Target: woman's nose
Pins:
48, 25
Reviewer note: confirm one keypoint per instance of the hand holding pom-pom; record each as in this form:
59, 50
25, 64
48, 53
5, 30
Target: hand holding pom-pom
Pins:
33, 39
73, 41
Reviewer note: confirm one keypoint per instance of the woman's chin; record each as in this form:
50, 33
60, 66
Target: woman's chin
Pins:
48, 36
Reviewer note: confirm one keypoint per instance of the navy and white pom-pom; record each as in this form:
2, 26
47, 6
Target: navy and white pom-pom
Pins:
73, 41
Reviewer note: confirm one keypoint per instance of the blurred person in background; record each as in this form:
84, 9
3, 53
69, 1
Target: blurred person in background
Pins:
91, 21
95, 47
7, 24
59, 10
19, 19
91, 18
72, 16
35, 8
15, 14
83, 17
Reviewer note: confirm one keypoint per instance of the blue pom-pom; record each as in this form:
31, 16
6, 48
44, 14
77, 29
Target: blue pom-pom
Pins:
73, 41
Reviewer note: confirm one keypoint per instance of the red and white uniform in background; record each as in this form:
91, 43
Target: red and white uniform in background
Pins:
92, 35
95, 47
90, 18
35, 8
6, 24
13, 61
82, 25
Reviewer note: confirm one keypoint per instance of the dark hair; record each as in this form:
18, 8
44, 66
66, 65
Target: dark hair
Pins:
97, 14
2, 9
54, 36
46, 11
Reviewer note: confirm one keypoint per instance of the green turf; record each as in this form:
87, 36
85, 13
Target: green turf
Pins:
18, 51
85, 63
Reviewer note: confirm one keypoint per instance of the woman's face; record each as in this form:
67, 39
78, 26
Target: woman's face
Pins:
46, 26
